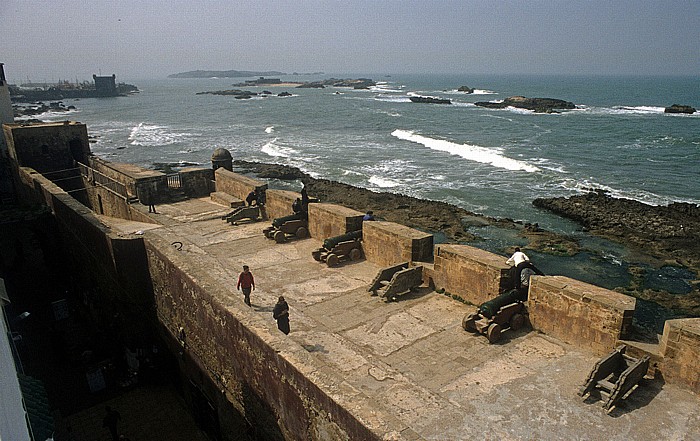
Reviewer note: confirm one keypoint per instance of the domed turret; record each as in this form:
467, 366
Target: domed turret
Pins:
222, 158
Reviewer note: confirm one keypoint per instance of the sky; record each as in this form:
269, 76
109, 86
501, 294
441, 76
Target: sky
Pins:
69, 39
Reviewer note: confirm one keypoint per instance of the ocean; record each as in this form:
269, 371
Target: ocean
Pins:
492, 162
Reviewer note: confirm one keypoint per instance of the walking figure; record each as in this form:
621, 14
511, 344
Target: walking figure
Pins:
246, 283
110, 421
281, 314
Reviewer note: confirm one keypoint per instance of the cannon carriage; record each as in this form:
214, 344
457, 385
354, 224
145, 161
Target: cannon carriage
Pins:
347, 246
253, 213
396, 280
284, 228
502, 313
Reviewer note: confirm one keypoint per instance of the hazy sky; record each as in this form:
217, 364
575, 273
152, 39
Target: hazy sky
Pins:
52, 39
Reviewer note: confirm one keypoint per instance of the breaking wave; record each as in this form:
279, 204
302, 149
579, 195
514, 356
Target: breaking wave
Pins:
270, 129
151, 135
278, 151
469, 152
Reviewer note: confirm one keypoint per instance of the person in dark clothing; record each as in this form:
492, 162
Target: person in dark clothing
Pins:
281, 314
369, 216
110, 421
297, 206
252, 197
304, 199
246, 283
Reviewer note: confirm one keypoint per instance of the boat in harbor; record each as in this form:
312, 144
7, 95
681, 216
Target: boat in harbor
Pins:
430, 100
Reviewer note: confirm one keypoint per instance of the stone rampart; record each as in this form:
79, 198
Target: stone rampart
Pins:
471, 273
196, 181
235, 184
579, 313
330, 220
130, 175
245, 356
278, 203
389, 243
680, 349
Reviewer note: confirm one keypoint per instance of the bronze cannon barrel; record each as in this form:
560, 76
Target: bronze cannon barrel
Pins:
489, 308
331, 242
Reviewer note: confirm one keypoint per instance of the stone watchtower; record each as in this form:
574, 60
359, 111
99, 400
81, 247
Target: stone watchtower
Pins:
105, 86
222, 158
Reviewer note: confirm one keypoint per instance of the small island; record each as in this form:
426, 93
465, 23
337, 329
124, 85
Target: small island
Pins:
539, 105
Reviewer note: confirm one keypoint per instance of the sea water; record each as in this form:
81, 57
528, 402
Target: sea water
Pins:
489, 161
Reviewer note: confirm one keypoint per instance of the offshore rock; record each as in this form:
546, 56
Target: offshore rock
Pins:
233, 92
669, 233
678, 108
466, 89
540, 105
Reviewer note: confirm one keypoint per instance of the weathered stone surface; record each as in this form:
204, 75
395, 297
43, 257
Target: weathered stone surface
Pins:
473, 274
278, 203
579, 313
330, 220
680, 348
236, 185
389, 243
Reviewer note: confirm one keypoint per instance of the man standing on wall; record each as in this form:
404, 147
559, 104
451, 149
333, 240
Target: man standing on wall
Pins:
246, 283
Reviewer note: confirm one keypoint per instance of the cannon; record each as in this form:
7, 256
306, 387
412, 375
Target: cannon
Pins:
284, 228
502, 313
615, 376
395, 280
347, 246
253, 213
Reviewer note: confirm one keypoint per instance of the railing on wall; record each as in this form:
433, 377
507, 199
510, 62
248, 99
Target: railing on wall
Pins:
97, 178
174, 181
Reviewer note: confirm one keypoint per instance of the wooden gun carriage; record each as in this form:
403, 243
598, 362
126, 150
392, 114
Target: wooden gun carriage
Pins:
347, 246
395, 280
502, 313
283, 228
253, 213
615, 376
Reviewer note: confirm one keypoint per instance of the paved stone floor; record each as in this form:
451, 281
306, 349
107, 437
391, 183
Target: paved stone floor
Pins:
406, 368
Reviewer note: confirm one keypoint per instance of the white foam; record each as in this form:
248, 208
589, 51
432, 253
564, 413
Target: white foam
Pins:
383, 182
275, 150
646, 197
151, 135
392, 98
270, 129
474, 153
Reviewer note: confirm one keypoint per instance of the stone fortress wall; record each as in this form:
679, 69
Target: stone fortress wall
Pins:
578, 313
253, 374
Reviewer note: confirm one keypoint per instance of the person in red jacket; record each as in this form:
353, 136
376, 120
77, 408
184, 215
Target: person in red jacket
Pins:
246, 283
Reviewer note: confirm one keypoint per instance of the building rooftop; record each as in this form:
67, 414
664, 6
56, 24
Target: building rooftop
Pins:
407, 369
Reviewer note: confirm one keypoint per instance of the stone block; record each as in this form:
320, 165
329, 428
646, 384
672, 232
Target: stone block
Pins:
680, 349
226, 199
579, 313
236, 185
330, 220
471, 273
279, 203
389, 243
196, 181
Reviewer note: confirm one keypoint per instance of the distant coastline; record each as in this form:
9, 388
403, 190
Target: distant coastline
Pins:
234, 74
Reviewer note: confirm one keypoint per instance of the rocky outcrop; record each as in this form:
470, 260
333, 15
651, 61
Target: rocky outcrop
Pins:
358, 83
540, 105
678, 108
39, 108
671, 233
238, 93
224, 74
465, 89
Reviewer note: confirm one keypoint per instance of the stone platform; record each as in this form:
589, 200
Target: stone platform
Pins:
406, 369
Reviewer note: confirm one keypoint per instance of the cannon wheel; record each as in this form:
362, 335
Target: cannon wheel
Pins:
332, 260
280, 237
494, 332
355, 254
468, 322
317, 255
517, 321
301, 233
